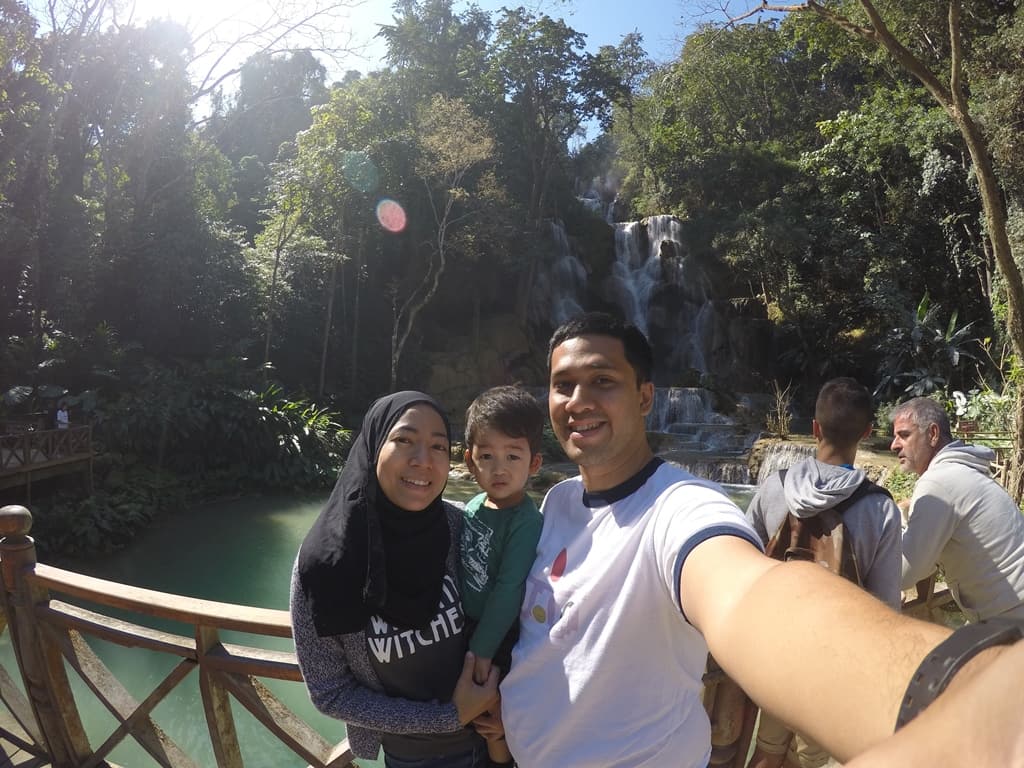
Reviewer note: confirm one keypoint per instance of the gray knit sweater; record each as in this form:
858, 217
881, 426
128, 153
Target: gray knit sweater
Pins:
342, 683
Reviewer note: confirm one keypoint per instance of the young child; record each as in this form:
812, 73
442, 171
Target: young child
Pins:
504, 427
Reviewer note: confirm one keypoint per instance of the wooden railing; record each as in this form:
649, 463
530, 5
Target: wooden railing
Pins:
49, 638
28, 449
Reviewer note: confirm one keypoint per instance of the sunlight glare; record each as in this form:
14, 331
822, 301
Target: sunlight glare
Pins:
391, 215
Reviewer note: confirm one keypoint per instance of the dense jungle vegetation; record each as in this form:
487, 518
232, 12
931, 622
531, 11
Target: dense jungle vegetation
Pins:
217, 278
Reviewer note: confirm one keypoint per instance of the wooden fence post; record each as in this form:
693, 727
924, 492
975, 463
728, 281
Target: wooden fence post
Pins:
217, 704
39, 660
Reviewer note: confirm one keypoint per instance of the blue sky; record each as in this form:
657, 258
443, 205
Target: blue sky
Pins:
663, 23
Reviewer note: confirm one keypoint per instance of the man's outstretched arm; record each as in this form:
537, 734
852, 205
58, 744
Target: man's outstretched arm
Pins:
835, 662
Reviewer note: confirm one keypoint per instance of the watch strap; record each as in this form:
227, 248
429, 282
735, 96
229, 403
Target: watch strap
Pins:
947, 658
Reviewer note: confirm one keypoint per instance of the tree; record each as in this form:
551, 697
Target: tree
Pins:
429, 44
453, 143
618, 74
284, 224
275, 100
540, 64
935, 48
24, 95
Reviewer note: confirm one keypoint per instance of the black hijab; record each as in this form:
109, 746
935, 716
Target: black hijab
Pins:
366, 556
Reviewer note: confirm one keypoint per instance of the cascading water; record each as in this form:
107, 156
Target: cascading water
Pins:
673, 405
693, 435
782, 456
558, 292
650, 260
634, 275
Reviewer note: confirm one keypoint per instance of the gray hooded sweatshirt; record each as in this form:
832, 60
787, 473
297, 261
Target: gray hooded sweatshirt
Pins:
872, 522
963, 520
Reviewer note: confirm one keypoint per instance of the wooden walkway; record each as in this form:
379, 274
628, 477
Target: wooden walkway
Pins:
34, 454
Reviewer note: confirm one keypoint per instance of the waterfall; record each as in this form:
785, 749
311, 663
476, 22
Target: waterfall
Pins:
730, 471
679, 405
592, 204
557, 295
782, 455
661, 291
639, 266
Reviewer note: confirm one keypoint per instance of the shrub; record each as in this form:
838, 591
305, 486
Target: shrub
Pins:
778, 416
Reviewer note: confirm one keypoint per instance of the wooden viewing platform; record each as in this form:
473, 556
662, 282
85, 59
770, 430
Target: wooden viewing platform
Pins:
36, 454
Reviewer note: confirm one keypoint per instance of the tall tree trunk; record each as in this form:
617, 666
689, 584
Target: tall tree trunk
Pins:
328, 321
356, 291
1014, 479
284, 235
395, 349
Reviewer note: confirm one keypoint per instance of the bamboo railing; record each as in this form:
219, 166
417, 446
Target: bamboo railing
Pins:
49, 639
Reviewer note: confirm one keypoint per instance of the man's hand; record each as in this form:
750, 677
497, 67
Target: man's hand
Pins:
471, 699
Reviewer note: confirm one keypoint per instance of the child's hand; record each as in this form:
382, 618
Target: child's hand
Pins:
489, 724
481, 670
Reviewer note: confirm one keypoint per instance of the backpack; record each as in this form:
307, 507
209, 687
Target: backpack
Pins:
821, 538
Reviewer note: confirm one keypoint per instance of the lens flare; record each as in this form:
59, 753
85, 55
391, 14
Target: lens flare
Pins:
391, 215
360, 171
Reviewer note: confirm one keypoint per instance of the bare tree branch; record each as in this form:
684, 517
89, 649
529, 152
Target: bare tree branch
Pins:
322, 26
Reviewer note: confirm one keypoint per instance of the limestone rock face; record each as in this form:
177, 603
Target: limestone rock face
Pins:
464, 369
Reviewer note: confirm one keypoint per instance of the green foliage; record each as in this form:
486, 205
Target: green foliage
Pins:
925, 355
194, 423
900, 484
106, 521
991, 411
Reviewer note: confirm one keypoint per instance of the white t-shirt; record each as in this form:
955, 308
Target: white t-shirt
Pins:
607, 670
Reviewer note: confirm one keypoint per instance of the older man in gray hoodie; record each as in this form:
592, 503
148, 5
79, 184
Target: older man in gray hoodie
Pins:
842, 418
960, 518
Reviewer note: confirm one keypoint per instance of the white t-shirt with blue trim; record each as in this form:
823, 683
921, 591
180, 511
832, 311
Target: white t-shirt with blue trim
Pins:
607, 670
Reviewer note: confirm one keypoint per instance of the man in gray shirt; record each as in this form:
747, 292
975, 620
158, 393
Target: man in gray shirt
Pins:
960, 518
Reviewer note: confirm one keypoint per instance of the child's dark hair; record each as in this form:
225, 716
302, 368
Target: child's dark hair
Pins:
510, 410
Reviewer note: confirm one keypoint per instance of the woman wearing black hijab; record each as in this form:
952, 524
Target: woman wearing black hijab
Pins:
374, 603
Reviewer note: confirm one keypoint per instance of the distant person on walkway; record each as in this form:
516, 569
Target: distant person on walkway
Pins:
843, 417
960, 518
504, 432
376, 616
62, 416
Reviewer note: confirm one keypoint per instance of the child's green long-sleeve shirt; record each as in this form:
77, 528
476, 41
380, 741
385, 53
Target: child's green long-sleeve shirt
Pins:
498, 548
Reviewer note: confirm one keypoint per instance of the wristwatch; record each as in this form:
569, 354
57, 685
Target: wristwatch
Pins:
948, 657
